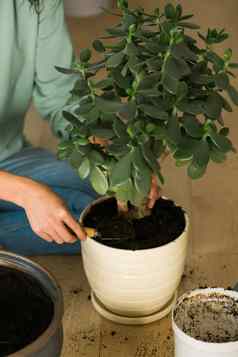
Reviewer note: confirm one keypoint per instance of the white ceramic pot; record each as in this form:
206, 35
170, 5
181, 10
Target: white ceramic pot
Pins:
186, 346
82, 8
134, 287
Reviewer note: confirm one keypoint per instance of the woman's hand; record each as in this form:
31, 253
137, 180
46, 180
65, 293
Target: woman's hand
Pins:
49, 216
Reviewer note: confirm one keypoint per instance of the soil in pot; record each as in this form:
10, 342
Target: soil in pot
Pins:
26, 310
164, 225
212, 318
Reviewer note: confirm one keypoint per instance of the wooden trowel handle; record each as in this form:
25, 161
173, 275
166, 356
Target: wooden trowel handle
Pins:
91, 232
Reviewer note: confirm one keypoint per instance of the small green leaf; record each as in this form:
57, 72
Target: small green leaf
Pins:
189, 25
115, 60
233, 65
102, 132
182, 155
170, 84
226, 105
127, 111
76, 159
222, 80
149, 81
224, 131
104, 83
233, 94
173, 130
177, 68
84, 169
182, 91
213, 106
221, 141
142, 180
154, 112
192, 126
108, 106
98, 46
170, 11
201, 154
151, 160
99, 181
196, 172
217, 156
85, 55
182, 51
71, 118
119, 128
69, 71
122, 170
96, 157
194, 107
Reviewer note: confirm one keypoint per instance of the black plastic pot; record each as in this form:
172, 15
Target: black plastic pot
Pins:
49, 344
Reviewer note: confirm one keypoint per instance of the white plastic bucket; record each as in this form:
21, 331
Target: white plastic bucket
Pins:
84, 8
186, 346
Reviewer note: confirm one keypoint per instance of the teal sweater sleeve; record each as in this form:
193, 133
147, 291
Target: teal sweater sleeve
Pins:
52, 88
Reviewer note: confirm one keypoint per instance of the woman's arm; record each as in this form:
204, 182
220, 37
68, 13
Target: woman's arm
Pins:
45, 210
54, 48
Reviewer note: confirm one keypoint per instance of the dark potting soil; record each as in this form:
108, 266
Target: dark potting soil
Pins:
164, 225
25, 310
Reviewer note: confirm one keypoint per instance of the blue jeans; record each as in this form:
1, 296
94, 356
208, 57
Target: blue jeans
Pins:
16, 234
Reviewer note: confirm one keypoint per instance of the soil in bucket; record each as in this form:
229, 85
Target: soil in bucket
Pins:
209, 318
26, 310
164, 225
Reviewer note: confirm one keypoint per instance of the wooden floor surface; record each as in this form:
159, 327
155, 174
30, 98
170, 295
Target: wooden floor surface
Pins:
89, 335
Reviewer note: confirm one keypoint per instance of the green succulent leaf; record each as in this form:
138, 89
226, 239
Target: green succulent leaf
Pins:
98, 46
85, 55
115, 60
222, 80
154, 112
177, 68
122, 170
194, 107
170, 84
213, 106
192, 126
75, 159
99, 180
84, 168
174, 131
217, 156
189, 25
201, 154
151, 160
233, 94
220, 141
182, 51
196, 172
170, 11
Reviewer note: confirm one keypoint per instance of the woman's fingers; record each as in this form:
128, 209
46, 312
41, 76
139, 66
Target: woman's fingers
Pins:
46, 237
74, 226
64, 233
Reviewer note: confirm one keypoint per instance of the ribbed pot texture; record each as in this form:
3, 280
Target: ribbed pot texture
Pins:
134, 283
49, 344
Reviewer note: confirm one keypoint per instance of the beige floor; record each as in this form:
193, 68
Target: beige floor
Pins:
88, 335
212, 204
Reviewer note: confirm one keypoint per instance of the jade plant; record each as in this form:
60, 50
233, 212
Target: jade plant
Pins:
160, 92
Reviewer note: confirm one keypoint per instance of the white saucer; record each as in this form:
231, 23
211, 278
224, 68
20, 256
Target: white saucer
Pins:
125, 320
